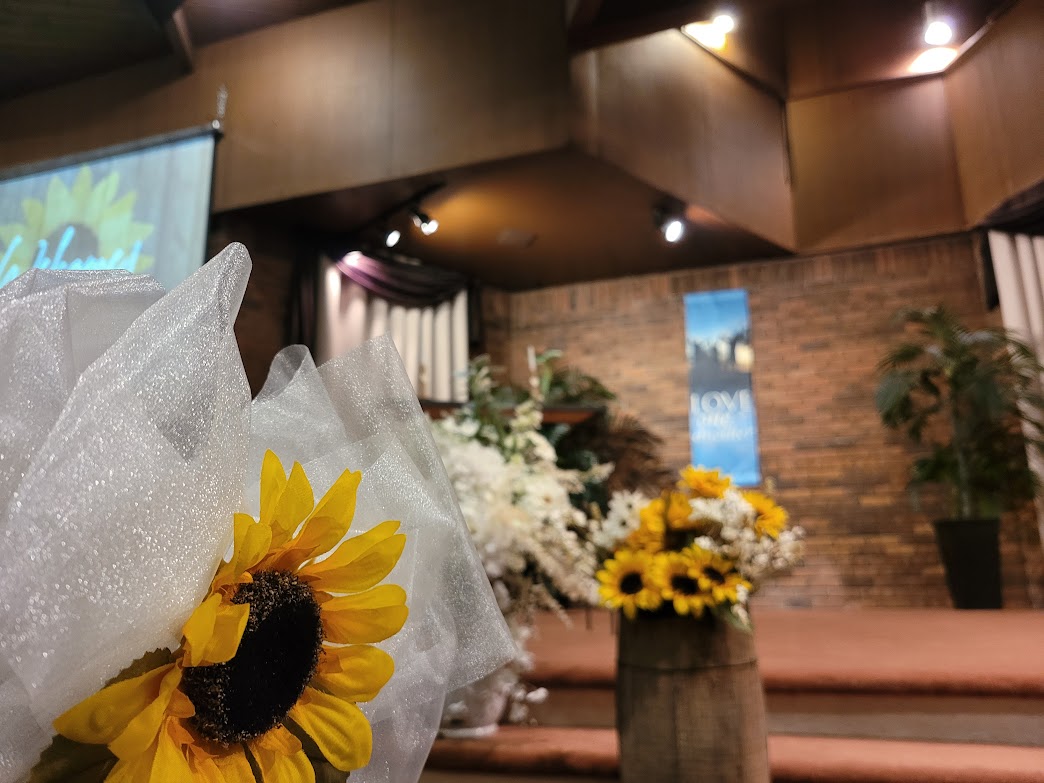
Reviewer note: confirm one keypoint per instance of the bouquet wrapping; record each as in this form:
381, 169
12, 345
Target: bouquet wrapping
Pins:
128, 440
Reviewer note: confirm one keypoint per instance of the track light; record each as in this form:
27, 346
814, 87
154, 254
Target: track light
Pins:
392, 237
673, 230
670, 223
426, 224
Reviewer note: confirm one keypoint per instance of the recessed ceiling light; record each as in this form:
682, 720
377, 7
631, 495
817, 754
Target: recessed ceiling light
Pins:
391, 238
934, 60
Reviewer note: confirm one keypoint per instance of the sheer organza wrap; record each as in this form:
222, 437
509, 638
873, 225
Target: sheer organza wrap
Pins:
127, 441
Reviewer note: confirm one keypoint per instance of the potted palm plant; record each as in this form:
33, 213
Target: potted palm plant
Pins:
972, 397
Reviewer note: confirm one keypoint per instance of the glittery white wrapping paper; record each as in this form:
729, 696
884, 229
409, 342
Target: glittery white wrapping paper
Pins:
127, 440
126, 420
361, 412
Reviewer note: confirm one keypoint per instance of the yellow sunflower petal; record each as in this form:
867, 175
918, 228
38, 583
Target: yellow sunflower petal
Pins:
338, 728
101, 718
355, 673
141, 732
252, 541
279, 757
273, 479
359, 563
365, 618
234, 766
161, 762
326, 525
293, 507
213, 632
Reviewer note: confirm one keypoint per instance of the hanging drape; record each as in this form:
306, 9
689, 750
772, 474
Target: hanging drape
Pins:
424, 310
1018, 266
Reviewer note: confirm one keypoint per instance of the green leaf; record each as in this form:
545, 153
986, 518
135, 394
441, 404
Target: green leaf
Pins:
325, 772
65, 761
75, 762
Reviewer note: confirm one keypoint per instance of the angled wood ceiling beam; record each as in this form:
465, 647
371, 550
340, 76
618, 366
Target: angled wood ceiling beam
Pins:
642, 24
171, 18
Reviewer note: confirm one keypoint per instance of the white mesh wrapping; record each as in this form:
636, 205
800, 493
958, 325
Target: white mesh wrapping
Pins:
361, 412
126, 439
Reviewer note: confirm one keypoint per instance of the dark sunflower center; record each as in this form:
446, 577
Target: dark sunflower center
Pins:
685, 585
631, 584
714, 575
252, 694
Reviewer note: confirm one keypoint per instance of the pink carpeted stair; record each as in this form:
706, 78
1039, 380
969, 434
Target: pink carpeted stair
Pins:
915, 696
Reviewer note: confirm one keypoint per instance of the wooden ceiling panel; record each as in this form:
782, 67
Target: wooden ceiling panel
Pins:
49, 42
215, 20
539, 220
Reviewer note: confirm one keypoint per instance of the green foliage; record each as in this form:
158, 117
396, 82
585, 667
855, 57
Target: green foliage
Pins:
67, 761
972, 399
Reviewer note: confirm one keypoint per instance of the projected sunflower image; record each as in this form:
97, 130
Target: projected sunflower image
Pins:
272, 663
88, 226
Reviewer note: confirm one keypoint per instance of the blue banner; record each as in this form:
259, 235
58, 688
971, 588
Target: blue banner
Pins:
723, 426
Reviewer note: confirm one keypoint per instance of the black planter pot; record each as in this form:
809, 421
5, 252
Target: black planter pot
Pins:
970, 550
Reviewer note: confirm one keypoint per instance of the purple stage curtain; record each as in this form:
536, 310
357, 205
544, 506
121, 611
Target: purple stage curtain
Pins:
410, 285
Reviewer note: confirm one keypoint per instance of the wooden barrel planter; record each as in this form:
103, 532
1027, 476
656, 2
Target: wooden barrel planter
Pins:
689, 703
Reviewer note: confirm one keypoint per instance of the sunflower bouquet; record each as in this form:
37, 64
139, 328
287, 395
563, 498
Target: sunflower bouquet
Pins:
175, 604
700, 549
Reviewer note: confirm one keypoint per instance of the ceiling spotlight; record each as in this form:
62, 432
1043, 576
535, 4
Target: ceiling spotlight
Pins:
391, 238
724, 22
937, 28
673, 230
938, 33
426, 224
712, 34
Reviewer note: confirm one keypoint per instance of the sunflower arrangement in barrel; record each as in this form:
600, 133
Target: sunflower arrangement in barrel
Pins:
700, 549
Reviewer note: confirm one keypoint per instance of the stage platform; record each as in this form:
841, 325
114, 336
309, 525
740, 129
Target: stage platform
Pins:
860, 696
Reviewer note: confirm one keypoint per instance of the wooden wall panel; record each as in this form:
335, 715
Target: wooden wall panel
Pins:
873, 165
476, 80
345, 98
996, 97
671, 114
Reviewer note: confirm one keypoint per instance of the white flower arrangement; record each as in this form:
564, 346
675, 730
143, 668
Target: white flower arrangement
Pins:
534, 544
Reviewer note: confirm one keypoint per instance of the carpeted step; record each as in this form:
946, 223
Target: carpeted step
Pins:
535, 754
931, 675
903, 651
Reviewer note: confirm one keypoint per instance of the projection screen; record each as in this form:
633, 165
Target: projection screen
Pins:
142, 207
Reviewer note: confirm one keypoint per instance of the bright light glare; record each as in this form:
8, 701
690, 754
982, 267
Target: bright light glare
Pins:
706, 34
938, 33
429, 227
933, 60
392, 238
673, 230
724, 22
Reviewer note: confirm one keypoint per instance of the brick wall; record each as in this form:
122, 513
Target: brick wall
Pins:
819, 327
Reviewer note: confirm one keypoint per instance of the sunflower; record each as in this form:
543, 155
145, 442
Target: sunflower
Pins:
771, 519
102, 226
280, 648
718, 578
627, 584
702, 483
676, 574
